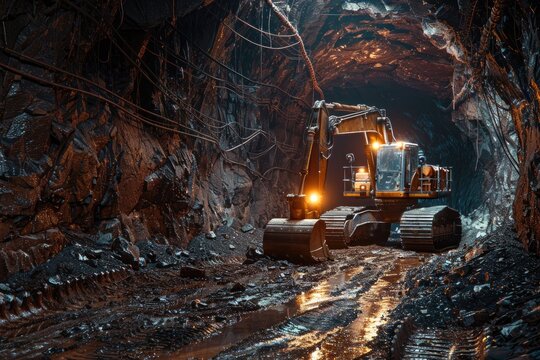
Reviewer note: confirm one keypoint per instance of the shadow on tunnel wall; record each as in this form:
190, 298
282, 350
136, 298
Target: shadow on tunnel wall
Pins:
417, 117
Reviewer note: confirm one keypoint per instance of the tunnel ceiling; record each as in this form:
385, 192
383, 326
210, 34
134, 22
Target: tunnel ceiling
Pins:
355, 43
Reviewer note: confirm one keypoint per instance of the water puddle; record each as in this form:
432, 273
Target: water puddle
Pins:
265, 319
375, 305
327, 322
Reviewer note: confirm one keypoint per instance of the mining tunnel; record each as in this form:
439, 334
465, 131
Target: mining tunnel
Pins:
172, 179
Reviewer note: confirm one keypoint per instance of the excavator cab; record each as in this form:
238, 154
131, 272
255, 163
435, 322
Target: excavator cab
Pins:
396, 164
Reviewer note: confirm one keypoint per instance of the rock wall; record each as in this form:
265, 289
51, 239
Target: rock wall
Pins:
112, 122
496, 86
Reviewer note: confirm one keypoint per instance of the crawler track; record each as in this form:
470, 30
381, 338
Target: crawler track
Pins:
434, 228
335, 220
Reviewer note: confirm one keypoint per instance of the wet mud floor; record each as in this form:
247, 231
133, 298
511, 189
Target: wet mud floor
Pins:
266, 309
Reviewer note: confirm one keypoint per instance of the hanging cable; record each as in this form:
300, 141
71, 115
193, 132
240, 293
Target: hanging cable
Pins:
157, 82
260, 45
210, 57
50, 67
99, 97
499, 123
500, 137
123, 109
309, 65
267, 33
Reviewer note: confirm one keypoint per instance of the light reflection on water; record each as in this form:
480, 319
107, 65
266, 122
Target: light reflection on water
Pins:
322, 292
340, 342
375, 305
264, 319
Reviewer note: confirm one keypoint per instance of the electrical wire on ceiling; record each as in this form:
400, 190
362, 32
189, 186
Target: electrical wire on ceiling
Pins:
236, 87
211, 58
267, 33
499, 133
194, 45
260, 45
125, 101
307, 60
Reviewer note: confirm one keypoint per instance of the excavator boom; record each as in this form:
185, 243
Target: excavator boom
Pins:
302, 237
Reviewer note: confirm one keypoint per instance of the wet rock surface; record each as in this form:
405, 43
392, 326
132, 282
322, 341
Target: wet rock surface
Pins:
214, 301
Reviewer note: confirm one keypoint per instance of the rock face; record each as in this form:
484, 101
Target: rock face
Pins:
164, 119
102, 126
490, 285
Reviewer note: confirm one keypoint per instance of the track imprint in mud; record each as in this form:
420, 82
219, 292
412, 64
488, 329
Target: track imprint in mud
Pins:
342, 322
263, 309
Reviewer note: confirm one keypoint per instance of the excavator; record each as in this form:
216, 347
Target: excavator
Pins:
395, 177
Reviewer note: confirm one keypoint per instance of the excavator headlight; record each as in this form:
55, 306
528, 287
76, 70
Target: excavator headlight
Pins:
314, 198
376, 145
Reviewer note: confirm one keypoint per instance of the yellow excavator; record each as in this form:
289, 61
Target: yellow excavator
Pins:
395, 177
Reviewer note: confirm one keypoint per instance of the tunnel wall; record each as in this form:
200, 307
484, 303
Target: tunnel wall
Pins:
129, 120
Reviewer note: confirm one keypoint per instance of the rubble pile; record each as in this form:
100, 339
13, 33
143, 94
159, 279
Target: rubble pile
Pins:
86, 256
492, 285
225, 241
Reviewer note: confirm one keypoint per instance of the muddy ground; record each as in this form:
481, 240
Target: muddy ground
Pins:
221, 298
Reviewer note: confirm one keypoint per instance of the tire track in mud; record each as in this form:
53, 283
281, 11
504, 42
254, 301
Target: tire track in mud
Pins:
428, 343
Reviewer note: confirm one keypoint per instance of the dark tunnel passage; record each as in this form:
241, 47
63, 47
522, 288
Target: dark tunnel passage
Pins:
417, 117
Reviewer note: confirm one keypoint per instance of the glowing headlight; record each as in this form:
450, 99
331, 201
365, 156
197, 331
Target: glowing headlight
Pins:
375, 145
314, 198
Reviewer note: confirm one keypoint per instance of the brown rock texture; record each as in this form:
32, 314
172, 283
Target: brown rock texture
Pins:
95, 129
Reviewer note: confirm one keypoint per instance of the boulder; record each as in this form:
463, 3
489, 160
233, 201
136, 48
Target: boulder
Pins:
192, 272
129, 253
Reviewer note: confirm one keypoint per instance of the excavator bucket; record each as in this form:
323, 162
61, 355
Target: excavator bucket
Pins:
299, 241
